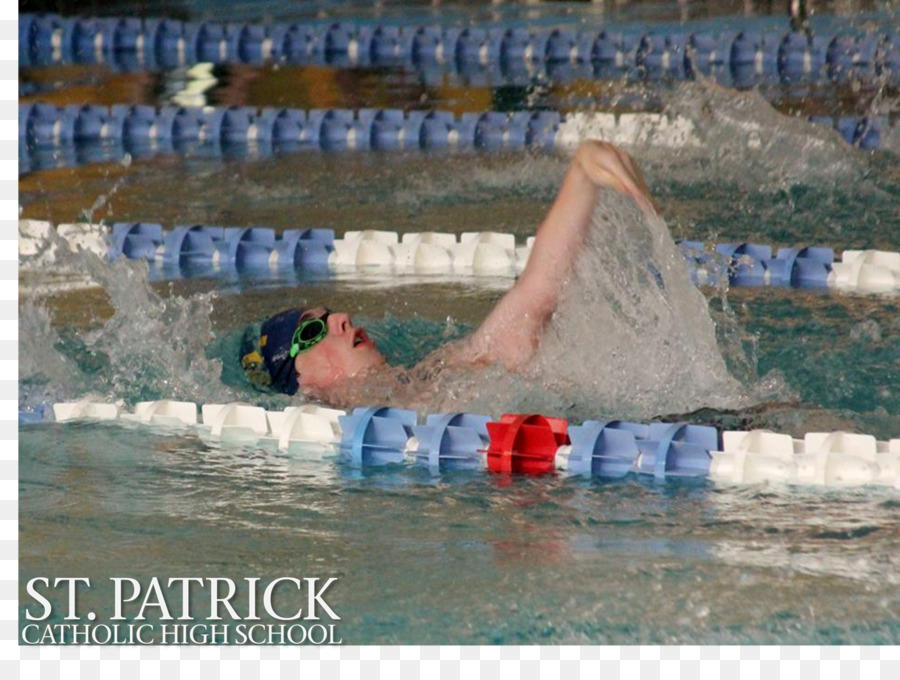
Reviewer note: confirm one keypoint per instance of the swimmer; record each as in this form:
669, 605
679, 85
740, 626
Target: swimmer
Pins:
322, 355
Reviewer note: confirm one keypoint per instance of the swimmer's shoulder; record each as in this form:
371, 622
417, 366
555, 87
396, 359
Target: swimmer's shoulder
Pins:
455, 355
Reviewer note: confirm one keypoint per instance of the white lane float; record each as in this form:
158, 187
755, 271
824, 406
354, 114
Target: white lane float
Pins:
866, 271
486, 253
444, 442
750, 457
307, 424
234, 422
821, 458
84, 410
164, 413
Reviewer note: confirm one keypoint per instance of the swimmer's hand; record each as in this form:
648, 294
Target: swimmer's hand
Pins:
608, 166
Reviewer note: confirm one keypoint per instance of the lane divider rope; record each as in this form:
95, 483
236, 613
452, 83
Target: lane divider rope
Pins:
52, 136
758, 53
258, 253
528, 444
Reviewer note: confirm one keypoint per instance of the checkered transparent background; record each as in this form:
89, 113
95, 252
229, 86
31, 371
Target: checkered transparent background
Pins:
327, 663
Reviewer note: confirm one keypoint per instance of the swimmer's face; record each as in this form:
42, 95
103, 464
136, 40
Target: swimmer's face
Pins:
345, 352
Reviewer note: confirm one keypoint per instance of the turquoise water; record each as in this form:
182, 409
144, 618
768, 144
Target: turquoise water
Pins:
467, 559
463, 559
471, 559
474, 558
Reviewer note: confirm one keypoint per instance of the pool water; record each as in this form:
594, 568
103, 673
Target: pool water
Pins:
470, 558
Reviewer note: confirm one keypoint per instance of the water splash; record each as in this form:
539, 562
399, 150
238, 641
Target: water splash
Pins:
44, 373
150, 348
745, 141
105, 199
632, 336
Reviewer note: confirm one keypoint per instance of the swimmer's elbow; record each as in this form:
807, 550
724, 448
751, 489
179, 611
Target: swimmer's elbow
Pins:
521, 355
508, 347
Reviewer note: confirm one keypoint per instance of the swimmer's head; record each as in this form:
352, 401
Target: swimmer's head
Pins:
312, 348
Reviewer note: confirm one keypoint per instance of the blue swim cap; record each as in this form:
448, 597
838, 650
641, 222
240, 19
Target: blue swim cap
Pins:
274, 348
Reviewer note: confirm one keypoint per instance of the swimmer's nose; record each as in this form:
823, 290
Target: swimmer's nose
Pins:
339, 323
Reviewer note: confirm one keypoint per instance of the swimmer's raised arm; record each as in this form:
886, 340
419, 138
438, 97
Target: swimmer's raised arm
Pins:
511, 331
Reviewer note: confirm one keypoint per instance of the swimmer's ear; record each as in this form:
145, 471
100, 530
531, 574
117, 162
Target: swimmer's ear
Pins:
300, 385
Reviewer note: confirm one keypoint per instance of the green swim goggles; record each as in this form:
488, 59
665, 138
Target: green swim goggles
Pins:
309, 333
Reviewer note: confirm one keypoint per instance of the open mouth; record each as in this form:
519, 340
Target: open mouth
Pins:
360, 337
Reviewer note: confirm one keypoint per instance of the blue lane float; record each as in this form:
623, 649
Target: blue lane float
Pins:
258, 253
746, 262
603, 449
136, 241
451, 441
186, 248
375, 436
51, 136
379, 436
32, 416
305, 249
617, 448
801, 267
755, 54
142, 129
749, 264
245, 248
677, 450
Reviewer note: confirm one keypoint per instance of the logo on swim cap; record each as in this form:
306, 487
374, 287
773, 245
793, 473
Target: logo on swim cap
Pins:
275, 345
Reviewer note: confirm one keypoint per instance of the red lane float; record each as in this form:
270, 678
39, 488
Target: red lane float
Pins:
525, 443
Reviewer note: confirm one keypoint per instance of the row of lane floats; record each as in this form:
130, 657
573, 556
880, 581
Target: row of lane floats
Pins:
759, 51
527, 444
91, 130
258, 252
